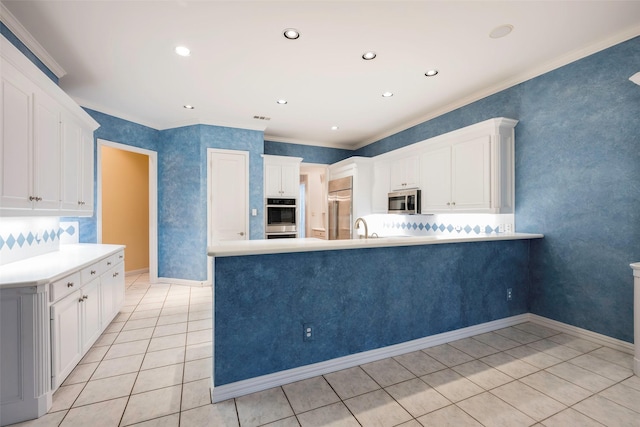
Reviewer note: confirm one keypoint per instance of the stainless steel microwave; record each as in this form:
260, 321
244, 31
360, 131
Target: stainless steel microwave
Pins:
404, 202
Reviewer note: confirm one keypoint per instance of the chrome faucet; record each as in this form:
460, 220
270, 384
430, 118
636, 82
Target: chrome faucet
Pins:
356, 225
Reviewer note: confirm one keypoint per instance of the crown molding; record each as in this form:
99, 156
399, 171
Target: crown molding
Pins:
506, 84
31, 43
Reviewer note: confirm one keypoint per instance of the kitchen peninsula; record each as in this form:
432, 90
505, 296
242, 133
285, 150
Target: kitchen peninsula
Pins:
287, 310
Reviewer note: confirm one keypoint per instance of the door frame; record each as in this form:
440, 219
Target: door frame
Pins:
153, 199
210, 154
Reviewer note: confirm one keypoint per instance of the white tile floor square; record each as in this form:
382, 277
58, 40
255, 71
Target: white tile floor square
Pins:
152, 367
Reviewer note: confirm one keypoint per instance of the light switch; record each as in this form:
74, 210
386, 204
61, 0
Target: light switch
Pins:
254, 212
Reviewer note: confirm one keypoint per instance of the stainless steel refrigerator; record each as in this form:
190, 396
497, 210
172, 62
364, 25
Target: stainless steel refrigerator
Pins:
340, 196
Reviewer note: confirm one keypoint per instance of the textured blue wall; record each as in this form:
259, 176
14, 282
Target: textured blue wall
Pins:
309, 153
357, 300
182, 194
577, 182
182, 187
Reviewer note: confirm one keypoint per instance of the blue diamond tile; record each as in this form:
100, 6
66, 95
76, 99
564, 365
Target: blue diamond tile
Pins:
1, 242
420, 226
403, 225
71, 230
427, 227
477, 229
11, 241
442, 227
30, 238
21, 240
450, 228
53, 234
414, 226
467, 229
45, 236
488, 229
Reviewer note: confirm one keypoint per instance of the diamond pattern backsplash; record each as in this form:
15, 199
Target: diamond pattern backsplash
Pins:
22, 238
424, 225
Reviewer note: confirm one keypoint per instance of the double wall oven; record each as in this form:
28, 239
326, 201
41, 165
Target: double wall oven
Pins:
281, 219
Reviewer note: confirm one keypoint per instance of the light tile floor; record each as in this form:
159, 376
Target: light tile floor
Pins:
152, 365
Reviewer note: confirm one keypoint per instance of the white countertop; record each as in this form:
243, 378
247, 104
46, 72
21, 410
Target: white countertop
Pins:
51, 266
278, 246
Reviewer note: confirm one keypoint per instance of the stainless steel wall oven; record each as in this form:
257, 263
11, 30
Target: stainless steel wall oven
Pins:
281, 218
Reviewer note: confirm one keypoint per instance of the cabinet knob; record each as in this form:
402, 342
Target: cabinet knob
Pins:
93, 272
453, 203
34, 198
69, 284
85, 297
121, 256
448, 203
115, 274
241, 233
81, 299
108, 262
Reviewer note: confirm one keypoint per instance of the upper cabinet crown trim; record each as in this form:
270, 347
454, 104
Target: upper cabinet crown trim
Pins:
11, 54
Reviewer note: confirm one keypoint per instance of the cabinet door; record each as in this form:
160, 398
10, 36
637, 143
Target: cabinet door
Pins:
65, 336
435, 180
272, 180
86, 174
91, 314
290, 180
71, 159
380, 187
405, 173
16, 145
471, 177
46, 153
112, 283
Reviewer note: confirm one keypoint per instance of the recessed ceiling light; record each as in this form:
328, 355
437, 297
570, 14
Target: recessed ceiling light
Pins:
387, 94
334, 128
291, 33
501, 31
431, 73
281, 101
188, 107
368, 56
183, 51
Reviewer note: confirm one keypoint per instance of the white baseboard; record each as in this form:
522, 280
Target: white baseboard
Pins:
134, 272
614, 343
183, 282
264, 382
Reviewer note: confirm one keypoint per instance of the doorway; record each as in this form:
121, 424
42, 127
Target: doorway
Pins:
313, 176
127, 204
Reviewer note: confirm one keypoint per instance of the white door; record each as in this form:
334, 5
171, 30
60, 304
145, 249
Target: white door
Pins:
228, 195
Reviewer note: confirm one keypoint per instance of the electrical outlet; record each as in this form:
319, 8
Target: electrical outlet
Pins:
509, 294
508, 228
501, 228
307, 332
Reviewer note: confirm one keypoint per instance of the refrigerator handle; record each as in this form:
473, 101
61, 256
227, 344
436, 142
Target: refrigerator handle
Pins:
333, 227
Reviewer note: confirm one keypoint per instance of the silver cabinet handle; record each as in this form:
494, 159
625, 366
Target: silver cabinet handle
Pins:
453, 203
241, 233
69, 284
93, 272
115, 274
81, 299
85, 297
108, 262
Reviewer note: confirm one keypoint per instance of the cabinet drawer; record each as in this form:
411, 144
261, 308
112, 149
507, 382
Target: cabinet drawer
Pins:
65, 286
93, 271
320, 234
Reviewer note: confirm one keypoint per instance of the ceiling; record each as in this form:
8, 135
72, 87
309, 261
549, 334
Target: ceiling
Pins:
119, 58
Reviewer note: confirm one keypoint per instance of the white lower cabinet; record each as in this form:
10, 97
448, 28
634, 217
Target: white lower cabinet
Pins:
47, 328
65, 337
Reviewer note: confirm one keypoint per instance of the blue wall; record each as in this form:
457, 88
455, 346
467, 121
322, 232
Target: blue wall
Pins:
309, 153
182, 194
577, 182
357, 300
182, 187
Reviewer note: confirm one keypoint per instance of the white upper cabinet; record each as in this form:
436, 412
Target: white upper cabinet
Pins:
405, 173
380, 186
38, 123
281, 176
457, 177
77, 166
471, 170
